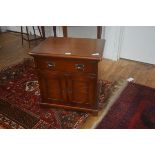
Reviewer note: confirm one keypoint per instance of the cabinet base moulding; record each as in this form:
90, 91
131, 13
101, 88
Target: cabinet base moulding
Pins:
92, 111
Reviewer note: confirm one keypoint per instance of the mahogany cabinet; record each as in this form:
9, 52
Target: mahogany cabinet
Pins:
68, 72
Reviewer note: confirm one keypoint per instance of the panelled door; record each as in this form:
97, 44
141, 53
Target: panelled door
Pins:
52, 85
73, 89
81, 89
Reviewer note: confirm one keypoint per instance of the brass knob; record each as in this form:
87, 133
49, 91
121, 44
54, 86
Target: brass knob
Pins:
51, 65
79, 66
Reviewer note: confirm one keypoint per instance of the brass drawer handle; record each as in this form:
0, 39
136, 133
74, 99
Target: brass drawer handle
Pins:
79, 66
51, 64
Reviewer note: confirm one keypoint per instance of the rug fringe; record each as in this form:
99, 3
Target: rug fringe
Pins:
79, 122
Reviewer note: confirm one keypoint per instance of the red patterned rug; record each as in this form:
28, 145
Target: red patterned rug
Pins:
19, 101
134, 109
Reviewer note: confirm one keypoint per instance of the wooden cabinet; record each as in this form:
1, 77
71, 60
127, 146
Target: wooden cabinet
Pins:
68, 72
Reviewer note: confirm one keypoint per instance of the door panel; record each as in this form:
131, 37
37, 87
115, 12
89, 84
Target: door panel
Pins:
52, 85
81, 89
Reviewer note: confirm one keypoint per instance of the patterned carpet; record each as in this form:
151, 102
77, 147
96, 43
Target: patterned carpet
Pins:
133, 109
20, 98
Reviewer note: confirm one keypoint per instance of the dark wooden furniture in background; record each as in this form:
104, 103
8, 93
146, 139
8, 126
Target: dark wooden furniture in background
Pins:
54, 31
68, 72
32, 37
99, 32
43, 31
65, 33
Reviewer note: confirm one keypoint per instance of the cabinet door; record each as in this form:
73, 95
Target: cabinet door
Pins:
52, 86
82, 90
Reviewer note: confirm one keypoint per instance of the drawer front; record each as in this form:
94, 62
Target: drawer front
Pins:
67, 65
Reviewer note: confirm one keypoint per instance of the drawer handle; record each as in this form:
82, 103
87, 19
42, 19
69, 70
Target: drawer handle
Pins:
79, 66
51, 64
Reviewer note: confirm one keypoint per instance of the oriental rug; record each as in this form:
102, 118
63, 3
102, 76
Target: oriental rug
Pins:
20, 98
133, 109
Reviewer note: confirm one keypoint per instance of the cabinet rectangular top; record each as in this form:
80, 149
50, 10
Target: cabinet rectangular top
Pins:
80, 48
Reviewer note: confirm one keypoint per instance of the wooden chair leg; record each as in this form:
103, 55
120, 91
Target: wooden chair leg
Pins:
64, 28
99, 32
34, 32
40, 32
43, 31
54, 31
22, 34
28, 36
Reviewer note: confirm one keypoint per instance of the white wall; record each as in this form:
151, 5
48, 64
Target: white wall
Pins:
14, 28
48, 31
139, 43
81, 31
113, 37
3, 28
